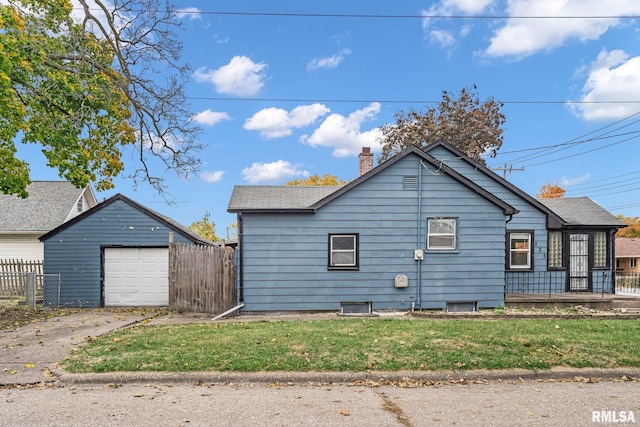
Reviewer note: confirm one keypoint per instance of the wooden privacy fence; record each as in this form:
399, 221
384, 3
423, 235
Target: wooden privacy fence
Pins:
13, 277
201, 279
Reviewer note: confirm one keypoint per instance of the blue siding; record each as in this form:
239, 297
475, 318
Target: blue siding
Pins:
75, 252
528, 218
285, 255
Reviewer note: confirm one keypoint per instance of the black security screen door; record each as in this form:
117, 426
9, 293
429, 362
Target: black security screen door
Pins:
579, 262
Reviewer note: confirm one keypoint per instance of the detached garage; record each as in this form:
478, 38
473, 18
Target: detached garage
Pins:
115, 254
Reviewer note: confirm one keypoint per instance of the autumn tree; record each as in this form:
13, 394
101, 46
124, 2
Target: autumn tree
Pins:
471, 125
551, 190
90, 84
204, 227
633, 229
316, 181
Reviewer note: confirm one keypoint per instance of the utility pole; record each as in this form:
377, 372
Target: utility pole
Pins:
507, 169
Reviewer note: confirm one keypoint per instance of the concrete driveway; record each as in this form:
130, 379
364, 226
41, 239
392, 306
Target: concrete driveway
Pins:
28, 354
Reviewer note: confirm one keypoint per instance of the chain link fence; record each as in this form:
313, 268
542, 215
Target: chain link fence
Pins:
31, 289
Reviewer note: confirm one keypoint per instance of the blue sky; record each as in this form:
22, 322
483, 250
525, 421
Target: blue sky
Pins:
286, 89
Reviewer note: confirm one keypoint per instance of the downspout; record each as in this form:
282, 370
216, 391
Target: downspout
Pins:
240, 278
504, 294
612, 260
418, 237
231, 310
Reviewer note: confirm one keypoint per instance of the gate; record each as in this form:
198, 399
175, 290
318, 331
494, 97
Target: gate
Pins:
51, 290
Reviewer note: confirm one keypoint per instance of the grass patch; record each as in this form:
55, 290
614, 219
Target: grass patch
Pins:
363, 345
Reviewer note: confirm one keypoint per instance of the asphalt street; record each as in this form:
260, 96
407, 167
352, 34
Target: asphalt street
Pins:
516, 403
35, 391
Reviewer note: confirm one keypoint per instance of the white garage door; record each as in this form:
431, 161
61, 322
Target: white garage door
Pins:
136, 276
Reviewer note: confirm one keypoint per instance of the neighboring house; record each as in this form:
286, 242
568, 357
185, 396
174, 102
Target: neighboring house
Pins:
114, 254
628, 255
23, 221
427, 229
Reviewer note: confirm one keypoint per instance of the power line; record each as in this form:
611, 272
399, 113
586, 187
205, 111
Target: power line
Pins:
408, 16
394, 101
576, 141
581, 153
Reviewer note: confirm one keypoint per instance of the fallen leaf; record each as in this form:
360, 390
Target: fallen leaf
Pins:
345, 413
30, 365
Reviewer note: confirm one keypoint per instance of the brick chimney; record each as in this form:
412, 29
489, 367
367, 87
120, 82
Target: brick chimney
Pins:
365, 160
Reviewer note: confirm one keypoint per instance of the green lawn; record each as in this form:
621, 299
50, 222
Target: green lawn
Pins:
356, 344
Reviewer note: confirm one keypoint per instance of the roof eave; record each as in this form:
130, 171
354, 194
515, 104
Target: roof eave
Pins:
268, 210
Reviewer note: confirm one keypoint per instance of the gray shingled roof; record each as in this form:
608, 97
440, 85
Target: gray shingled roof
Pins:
48, 205
627, 247
581, 211
247, 198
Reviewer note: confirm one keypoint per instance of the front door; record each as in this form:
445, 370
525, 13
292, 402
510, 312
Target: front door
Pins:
579, 262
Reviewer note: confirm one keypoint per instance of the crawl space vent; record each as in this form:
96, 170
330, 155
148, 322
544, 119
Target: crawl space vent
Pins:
356, 308
461, 307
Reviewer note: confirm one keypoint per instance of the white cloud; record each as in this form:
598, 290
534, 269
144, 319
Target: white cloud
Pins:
446, 37
272, 173
189, 12
613, 76
241, 76
276, 122
328, 62
211, 176
443, 38
210, 118
344, 135
523, 37
568, 182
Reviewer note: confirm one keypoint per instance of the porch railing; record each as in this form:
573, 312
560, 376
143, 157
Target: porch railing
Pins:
628, 283
555, 282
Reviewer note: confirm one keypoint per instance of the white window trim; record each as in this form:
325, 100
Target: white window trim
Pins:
453, 235
333, 251
512, 235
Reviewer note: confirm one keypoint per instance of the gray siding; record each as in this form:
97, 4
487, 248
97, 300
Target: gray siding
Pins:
76, 251
285, 256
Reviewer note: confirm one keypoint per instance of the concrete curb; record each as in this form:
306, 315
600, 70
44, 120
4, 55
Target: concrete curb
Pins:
306, 378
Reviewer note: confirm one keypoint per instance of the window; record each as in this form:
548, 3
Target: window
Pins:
554, 257
441, 234
80, 206
633, 262
343, 251
520, 250
600, 249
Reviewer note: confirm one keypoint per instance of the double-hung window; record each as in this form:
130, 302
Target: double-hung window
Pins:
343, 251
442, 234
519, 257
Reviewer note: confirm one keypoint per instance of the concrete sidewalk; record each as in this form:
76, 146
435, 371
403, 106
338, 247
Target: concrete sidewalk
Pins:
29, 354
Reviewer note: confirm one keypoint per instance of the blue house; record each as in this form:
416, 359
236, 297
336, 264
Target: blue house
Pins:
427, 229
553, 245
114, 254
